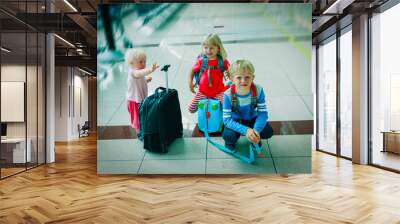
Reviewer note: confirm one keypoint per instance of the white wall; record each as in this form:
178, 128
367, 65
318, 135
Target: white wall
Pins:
13, 73
61, 103
12, 101
82, 83
70, 83
33, 126
17, 73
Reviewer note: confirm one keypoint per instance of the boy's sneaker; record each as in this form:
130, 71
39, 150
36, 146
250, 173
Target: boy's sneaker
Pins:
261, 154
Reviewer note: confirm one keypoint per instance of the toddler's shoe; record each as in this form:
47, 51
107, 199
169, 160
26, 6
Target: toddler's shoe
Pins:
230, 147
194, 111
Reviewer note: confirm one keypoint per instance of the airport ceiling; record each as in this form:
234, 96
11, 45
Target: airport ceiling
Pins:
74, 21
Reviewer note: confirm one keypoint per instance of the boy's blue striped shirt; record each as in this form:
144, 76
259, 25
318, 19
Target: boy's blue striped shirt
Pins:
245, 111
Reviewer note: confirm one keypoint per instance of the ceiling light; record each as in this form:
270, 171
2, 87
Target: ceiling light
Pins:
64, 40
328, 10
338, 6
70, 5
5, 49
84, 71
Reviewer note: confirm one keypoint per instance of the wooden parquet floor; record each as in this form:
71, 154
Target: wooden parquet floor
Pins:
70, 191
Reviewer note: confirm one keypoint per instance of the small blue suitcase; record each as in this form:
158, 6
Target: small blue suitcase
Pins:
210, 115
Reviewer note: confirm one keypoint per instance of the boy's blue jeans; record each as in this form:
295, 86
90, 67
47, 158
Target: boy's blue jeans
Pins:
231, 137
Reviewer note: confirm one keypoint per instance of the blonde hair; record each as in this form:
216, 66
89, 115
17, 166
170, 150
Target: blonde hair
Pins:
241, 66
213, 39
133, 55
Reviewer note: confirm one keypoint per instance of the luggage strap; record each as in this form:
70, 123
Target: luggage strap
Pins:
252, 147
204, 65
235, 102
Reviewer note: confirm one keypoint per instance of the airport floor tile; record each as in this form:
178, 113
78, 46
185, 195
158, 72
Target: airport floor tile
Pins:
124, 149
290, 145
181, 149
280, 154
235, 166
286, 108
242, 147
118, 167
186, 166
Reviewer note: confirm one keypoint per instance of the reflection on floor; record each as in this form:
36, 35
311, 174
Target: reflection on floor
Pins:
280, 154
387, 159
10, 171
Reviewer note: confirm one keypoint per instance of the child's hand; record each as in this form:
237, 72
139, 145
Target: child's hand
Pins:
154, 67
148, 79
228, 75
258, 136
252, 136
191, 87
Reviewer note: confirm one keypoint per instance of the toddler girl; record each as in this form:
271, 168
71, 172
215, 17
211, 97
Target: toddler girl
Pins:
137, 83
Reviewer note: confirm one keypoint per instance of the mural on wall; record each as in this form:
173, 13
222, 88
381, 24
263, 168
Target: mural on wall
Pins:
204, 88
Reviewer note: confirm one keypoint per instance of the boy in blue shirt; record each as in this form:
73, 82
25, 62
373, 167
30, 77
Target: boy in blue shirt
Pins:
244, 110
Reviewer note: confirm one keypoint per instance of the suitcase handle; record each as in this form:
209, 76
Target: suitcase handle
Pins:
160, 90
165, 69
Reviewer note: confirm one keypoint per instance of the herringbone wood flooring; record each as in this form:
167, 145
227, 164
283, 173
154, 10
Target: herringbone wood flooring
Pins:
70, 191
